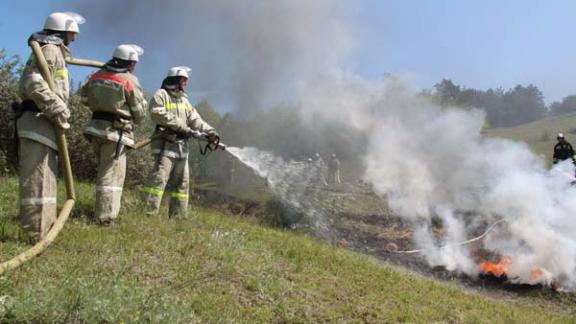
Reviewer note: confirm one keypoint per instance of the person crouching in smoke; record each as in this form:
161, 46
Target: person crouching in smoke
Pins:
176, 121
117, 102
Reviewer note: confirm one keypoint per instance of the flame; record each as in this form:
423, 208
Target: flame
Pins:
536, 274
498, 269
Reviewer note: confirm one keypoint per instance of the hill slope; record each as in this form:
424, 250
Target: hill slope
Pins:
218, 268
541, 134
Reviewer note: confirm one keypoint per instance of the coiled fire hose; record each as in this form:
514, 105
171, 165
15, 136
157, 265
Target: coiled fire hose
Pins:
66, 168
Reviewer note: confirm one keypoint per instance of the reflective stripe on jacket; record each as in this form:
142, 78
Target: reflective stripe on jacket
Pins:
172, 111
35, 126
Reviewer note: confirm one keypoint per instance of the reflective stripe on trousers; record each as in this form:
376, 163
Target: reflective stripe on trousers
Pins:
38, 167
179, 195
153, 191
37, 201
110, 180
171, 173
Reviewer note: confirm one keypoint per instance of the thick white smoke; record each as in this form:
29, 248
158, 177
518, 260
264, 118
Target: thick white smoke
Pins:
427, 161
432, 162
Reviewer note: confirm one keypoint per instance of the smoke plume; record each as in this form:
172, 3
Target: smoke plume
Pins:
429, 162
244, 54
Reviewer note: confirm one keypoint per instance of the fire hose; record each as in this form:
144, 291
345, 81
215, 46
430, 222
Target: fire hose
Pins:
210, 146
472, 240
198, 135
66, 167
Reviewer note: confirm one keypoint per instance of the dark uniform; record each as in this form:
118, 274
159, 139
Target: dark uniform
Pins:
562, 151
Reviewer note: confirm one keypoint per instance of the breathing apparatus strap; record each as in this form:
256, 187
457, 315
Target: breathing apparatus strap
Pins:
119, 145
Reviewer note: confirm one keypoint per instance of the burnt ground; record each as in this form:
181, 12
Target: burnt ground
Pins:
377, 232
372, 234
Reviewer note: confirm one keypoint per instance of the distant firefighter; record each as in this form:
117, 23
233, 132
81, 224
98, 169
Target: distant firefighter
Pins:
322, 169
334, 170
562, 150
230, 170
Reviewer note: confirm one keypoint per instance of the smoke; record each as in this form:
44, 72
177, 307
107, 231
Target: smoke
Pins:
429, 162
244, 54
432, 163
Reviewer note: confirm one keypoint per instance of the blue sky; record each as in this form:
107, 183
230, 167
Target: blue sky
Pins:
479, 44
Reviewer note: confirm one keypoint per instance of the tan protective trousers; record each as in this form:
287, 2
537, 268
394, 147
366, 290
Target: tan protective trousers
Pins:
172, 175
38, 187
110, 181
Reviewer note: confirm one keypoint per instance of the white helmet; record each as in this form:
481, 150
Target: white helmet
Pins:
128, 52
560, 135
179, 71
64, 21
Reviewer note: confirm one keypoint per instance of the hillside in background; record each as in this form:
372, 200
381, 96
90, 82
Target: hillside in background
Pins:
540, 135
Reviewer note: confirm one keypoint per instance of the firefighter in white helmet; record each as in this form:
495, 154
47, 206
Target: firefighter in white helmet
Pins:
117, 102
40, 112
176, 120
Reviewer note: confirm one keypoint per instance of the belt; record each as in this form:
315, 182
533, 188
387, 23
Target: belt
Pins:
169, 132
29, 105
102, 115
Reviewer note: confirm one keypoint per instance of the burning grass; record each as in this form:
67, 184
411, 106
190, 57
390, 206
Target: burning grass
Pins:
219, 268
498, 269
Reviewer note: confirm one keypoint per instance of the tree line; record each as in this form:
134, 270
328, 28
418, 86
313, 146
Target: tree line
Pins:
503, 108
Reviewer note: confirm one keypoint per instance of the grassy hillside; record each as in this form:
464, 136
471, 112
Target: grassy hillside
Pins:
541, 134
218, 268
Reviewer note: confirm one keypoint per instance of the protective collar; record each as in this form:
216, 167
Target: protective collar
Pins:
109, 67
176, 93
43, 37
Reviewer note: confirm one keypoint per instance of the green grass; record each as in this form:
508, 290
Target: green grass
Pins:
541, 134
218, 268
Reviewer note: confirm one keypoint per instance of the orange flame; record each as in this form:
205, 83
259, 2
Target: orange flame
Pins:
496, 269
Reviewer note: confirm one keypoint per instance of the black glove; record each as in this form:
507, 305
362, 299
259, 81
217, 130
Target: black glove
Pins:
212, 136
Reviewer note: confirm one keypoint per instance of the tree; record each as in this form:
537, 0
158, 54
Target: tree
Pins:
9, 67
567, 105
521, 104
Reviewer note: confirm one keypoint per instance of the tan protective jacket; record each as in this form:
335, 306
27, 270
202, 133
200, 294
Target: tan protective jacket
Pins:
34, 126
173, 114
120, 95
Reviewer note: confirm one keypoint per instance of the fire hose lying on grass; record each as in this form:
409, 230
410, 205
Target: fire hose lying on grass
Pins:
66, 169
393, 248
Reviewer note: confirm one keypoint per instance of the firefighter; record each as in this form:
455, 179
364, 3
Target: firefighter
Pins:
40, 112
322, 169
117, 103
176, 120
562, 150
334, 169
